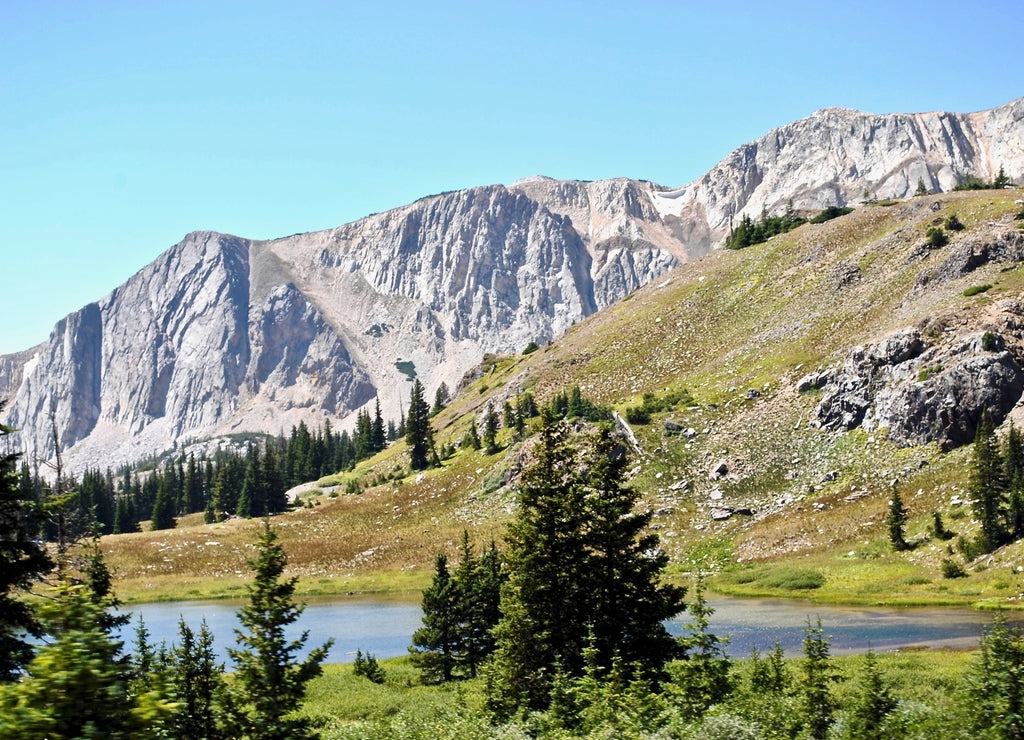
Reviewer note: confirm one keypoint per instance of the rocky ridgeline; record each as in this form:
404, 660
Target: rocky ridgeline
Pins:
223, 334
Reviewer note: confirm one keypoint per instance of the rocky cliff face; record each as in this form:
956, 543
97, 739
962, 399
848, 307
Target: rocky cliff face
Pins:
838, 157
222, 334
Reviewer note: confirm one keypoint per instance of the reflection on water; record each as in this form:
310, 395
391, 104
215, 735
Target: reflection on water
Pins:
384, 626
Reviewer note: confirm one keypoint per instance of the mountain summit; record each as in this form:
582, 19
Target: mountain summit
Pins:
222, 334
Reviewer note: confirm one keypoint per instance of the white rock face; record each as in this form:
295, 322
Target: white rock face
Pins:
222, 334
839, 157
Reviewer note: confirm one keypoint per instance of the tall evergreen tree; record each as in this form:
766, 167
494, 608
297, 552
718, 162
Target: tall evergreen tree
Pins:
378, 435
364, 435
436, 645
195, 496
24, 560
818, 703
995, 687
987, 486
581, 575
1013, 477
197, 682
897, 522
490, 438
270, 682
419, 435
478, 582
165, 506
252, 499
273, 482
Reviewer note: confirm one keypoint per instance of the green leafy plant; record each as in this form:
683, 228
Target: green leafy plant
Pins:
976, 289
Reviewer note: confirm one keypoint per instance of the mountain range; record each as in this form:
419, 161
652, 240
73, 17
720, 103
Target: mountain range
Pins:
223, 335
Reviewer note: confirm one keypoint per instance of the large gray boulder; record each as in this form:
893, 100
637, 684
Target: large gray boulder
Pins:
921, 395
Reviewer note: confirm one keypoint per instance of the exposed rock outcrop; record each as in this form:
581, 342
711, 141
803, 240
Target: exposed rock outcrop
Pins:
1001, 245
923, 394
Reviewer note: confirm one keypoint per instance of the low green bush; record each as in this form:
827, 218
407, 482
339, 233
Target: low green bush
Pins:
830, 213
976, 289
936, 237
952, 569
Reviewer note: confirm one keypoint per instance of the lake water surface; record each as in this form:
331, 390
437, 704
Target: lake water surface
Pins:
384, 626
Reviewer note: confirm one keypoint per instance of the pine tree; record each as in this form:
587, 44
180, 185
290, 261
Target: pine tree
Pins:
987, 486
872, 703
194, 494
378, 435
995, 687
441, 398
580, 575
702, 679
477, 581
626, 564
274, 482
78, 683
364, 435
270, 682
252, 499
490, 438
1002, 180
471, 439
197, 682
1013, 476
818, 703
24, 561
165, 507
437, 644
419, 435
897, 522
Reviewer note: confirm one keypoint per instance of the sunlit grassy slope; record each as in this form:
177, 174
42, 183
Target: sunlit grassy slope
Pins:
736, 330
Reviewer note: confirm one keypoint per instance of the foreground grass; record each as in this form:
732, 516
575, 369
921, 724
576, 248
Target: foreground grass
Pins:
342, 705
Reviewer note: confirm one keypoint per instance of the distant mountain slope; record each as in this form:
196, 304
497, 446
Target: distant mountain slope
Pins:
838, 156
222, 334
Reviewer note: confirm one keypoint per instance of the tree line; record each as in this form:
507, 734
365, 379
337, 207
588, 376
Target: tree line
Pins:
247, 482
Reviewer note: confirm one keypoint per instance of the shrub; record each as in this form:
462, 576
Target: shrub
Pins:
796, 579
990, 342
976, 289
939, 530
367, 667
952, 569
830, 213
531, 347
936, 237
407, 368
638, 415
953, 223
1020, 215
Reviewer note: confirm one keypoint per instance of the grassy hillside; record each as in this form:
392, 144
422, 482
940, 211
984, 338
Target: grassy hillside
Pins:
735, 331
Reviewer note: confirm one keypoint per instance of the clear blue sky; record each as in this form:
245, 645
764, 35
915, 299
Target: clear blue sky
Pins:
125, 125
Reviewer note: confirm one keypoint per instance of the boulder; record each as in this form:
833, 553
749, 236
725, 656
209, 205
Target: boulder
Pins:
922, 395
